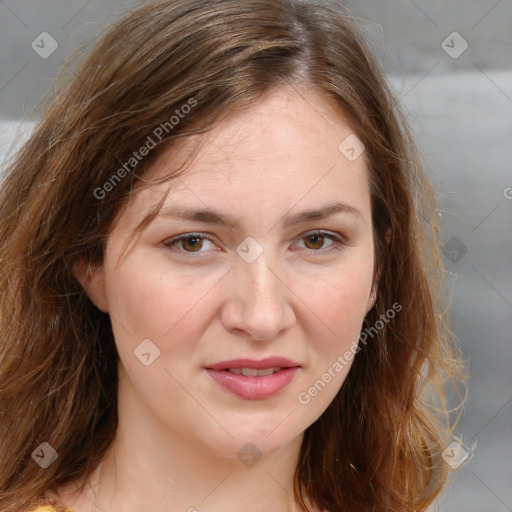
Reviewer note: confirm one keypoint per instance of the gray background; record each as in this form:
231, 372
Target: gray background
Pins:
461, 111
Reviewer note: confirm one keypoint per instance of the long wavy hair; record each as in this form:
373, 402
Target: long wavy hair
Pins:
378, 445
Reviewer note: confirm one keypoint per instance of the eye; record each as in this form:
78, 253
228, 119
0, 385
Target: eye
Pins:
314, 242
189, 242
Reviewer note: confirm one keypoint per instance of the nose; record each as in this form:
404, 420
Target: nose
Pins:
258, 302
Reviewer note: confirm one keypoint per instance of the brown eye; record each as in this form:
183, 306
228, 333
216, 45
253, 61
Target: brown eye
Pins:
316, 241
188, 243
191, 243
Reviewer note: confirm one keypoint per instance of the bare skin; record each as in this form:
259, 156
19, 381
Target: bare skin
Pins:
199, 302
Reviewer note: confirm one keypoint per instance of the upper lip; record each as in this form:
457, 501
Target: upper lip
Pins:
268, 362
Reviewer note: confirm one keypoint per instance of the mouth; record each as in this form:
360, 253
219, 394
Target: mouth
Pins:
254, 372
254, 380
248, 367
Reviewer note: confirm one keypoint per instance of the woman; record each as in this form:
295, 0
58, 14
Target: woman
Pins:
220, 283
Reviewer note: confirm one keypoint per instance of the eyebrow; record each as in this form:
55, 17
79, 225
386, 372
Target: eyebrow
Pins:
209, 216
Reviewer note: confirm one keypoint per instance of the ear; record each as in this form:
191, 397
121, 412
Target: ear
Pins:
92, 280
371, 299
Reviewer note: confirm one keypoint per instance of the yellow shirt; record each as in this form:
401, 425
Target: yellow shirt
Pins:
49, 508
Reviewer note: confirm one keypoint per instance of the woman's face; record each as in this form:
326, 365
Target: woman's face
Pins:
238, 266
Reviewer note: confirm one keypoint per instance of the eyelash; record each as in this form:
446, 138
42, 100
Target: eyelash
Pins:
336, 246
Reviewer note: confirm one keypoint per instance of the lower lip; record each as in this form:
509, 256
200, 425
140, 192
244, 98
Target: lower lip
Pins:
254, 388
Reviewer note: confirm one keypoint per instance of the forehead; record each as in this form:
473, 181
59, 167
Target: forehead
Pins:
282, 150
284, 117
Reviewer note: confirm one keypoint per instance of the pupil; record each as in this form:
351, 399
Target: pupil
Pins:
316, 240
195, 242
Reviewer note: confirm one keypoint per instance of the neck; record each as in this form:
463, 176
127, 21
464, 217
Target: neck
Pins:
152, 468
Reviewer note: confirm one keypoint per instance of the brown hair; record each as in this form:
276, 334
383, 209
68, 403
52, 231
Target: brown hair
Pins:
58, 365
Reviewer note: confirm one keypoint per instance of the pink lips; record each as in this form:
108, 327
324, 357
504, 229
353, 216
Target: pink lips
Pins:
254, 387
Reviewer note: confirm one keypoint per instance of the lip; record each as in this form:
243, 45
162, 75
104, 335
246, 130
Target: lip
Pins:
268, 362
254, 388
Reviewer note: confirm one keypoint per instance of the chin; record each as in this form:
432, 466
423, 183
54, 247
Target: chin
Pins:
249, 439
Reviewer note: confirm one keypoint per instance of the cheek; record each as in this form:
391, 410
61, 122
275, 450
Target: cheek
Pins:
339, 302
147, 302
139, 300
340, 305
